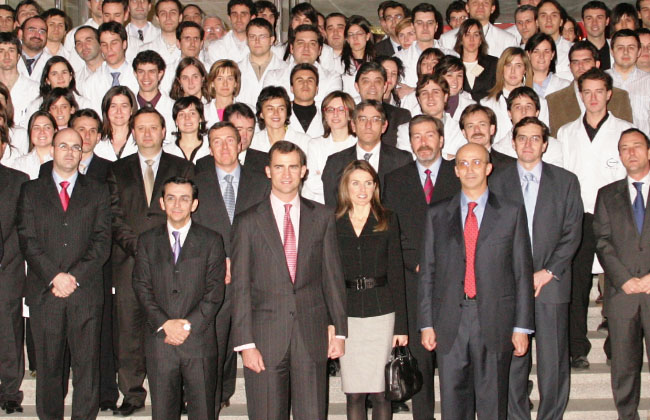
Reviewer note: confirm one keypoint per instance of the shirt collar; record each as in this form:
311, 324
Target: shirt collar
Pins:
221, 173
184, 230
537, 171
480, 202
645, 180
72, 180
277, 202
434, 168
361, 152
143, 159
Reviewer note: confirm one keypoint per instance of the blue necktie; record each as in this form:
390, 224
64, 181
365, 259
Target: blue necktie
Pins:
177, 245
116, 79
638, 207
529, 201
28, 64
229, 196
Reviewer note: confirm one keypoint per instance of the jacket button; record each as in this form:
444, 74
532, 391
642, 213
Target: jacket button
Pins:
174, 291
65, 223
291, 313
65, 245
175, 271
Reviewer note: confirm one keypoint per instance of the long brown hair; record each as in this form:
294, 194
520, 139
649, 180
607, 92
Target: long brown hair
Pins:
506, 58
345, 203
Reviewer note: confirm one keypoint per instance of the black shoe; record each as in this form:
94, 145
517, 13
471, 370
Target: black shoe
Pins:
225, 404
399, 407
107, 406
604, 326
368, 404
11, 407
530, 387
580, 363
126, 409
333, 367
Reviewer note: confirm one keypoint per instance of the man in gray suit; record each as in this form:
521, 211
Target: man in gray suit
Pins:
551, 196
476, 265
179, 281
622, 231
288, 286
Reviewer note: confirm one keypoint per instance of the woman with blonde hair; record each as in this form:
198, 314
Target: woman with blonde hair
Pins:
369, 243
224, 83
336, 110
513, 70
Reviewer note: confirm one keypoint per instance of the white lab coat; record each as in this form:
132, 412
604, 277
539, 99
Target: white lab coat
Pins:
75, 60
158, 45
318, 150
104, 149
328, 58
261, 139
500, 108
497, 39
454, 138
562, 61
29, 163
464, 100
96, 85
596, 163
553, 154
556, 83
228, 47
512, 30
410, 57
37, 67
23, 92
637, 86
204, 150
327, 81
18, 145
251, 87
151, 33
315, 128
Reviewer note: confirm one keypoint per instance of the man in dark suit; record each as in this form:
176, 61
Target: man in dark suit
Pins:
87, 123
476, 265
64, 227
12, 282
409, 191
288, 287
368, 122
243, 118
566, 105
391, 13
225, 191
479, 125
622, 230
551, 196
133, 182
371, 83
179, 281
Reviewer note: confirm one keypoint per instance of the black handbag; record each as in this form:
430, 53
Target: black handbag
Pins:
403, 378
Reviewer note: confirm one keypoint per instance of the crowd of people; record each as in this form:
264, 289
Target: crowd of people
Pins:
178, 192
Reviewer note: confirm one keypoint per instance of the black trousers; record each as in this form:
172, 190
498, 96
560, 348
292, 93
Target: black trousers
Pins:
12, 360
473, 380
424, 401
55, 323
582, 280
108, 392
227, 362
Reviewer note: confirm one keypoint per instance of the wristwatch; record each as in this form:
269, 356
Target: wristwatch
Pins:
551, 273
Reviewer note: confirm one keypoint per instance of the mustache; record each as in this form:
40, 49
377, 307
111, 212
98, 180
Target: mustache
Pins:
424, 149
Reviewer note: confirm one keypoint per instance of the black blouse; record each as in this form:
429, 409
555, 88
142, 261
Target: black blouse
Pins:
374, 254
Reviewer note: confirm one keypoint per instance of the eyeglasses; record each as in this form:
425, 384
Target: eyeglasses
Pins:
32, 30
464, 164
332, 110
261, 37
533, 139
65, 147
375, 120
395, 18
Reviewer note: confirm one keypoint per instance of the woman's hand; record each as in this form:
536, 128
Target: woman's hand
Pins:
401, 340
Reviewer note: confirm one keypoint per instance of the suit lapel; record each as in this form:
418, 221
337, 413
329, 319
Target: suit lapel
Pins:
161, 176
412, 183
305, 236
164, 246
544, 204
454, 221
189, 246
136, 173
269, 229
489, 220
243, 190
52, 193
78, 193
623, 200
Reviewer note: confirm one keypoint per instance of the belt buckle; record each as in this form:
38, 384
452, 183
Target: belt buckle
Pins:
361, 283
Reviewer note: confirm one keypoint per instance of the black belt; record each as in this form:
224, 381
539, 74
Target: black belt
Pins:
361, 283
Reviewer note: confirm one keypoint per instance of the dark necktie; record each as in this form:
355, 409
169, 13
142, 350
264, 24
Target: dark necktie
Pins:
428, 186
290, 246
140, 35
638, 206
471, 235
28, 63
116, 79
63, 195
399, 48
367, 156
229, 196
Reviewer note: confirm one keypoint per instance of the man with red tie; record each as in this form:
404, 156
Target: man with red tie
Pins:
64, 228
476, 264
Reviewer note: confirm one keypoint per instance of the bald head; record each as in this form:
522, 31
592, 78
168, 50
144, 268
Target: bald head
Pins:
472, 168
66, 152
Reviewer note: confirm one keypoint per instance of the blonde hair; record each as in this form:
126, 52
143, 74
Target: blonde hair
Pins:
506, 58
221, 67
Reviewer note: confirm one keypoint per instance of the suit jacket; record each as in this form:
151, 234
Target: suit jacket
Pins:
395, 116
622, 252
12, 263
501, 160
390, 158
404, 194
384, 47
557, 224
212, 213
192, 288
132, 215
76, 241
503, 267
563, 107
266, 302
98, 169
255, 160
485, 81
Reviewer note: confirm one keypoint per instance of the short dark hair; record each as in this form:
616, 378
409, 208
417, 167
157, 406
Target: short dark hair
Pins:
265, 4
186, 102
285, 147
370, 66
124, 3
146, 110
56, 12
595, 74
435, 78
523, 91
474, 108
225, 124
426, 8
526, 8
181, 180
531, 120
93, 30
9, 9
624, 33
307, 28
238, 108
449, 63
537, 39
176, 2
556, 4
418, 119
259, 22
620, 10
247, 3
149, 57
393, 5
11, 38
113, 27
56, 94
632, 131
189, 24
303, 66
594, 5
187, 6
378, 106
268, 93
336, 14
34, 3
305, 9
584, 45
642, 31
87, 113
24, 25
454, 6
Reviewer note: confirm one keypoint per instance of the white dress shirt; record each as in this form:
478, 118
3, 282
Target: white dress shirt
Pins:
183, 233
154, 167
318, 150
327, 81
374, 157
644, 188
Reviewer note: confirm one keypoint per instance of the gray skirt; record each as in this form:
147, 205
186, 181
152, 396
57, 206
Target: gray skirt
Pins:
367, 349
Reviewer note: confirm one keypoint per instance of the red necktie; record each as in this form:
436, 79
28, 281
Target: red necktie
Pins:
471, 234
63, 195
290, 251
428, 186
